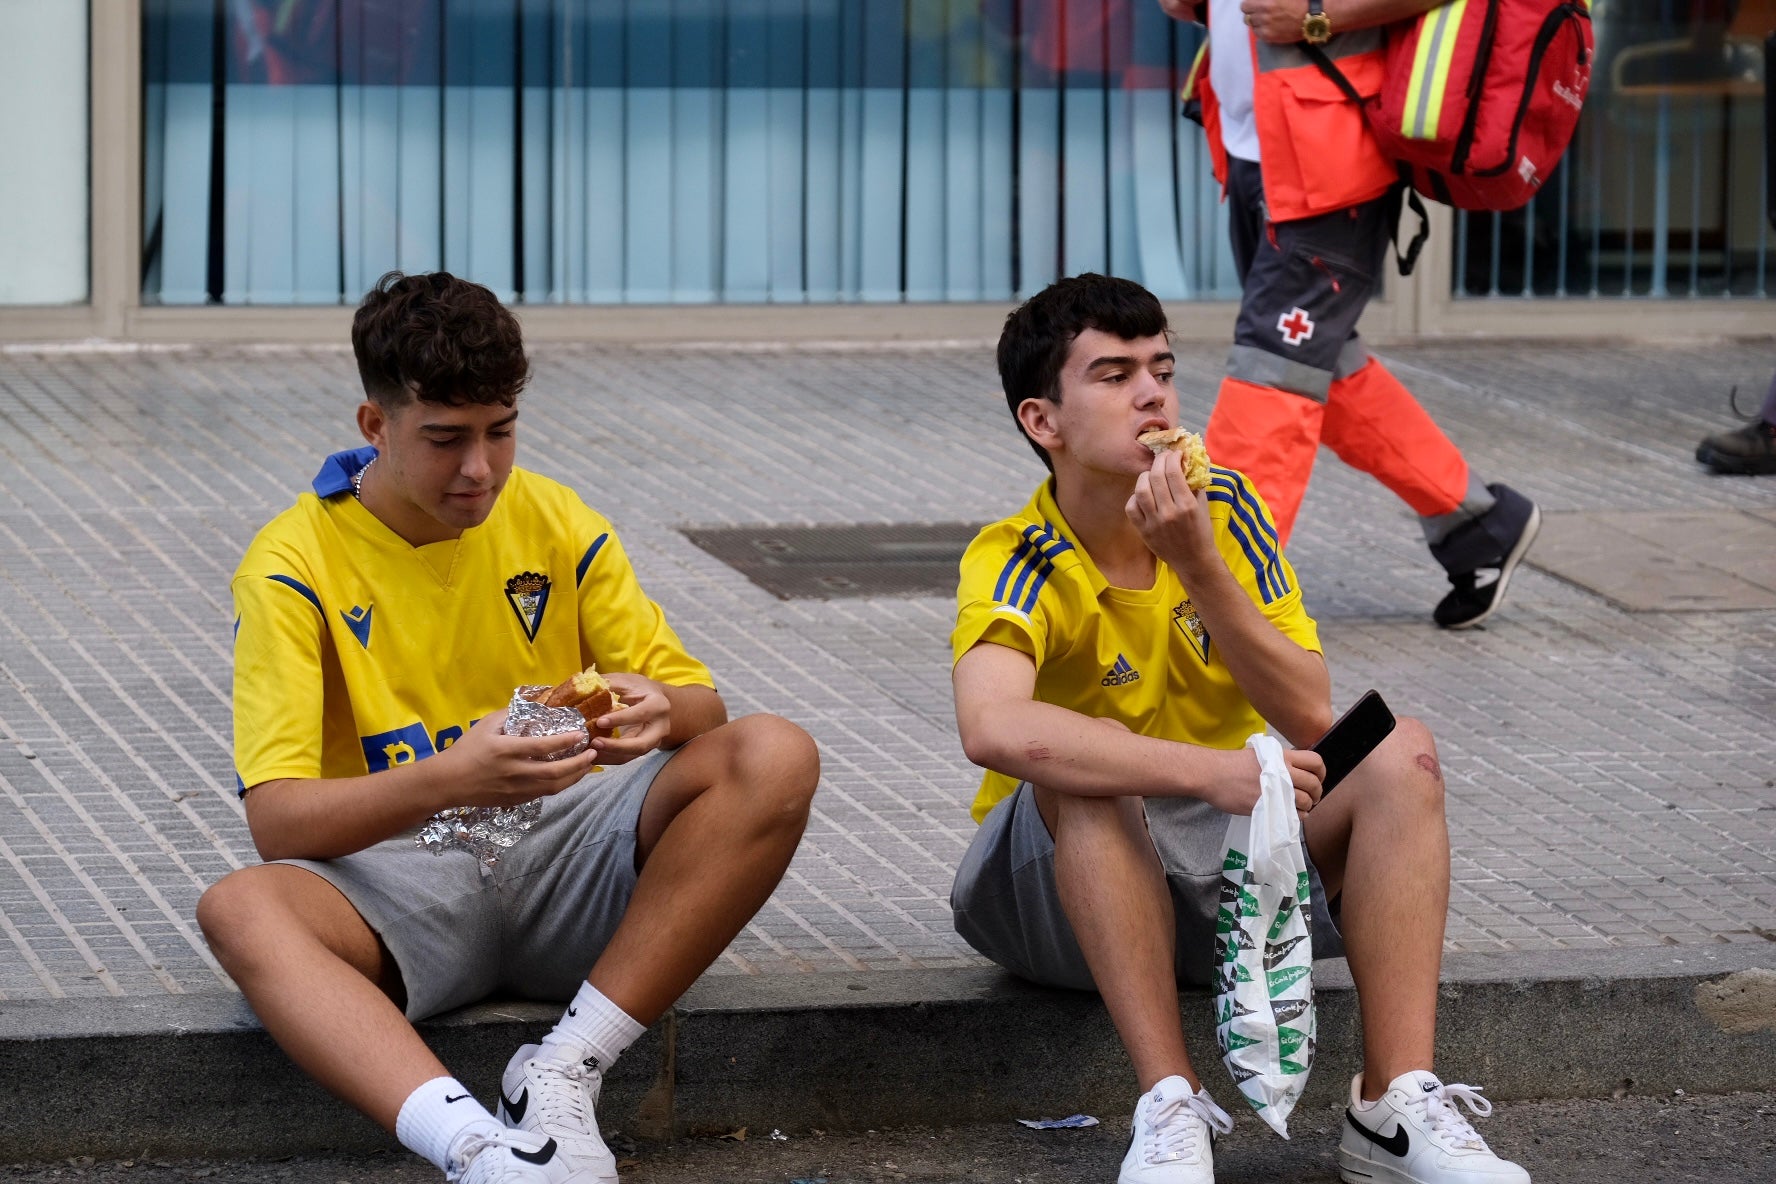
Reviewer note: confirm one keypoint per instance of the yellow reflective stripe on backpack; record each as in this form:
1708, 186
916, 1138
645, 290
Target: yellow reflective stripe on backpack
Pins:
1188, 90
1438, 32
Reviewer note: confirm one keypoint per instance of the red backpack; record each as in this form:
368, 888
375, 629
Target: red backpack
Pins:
1481, 97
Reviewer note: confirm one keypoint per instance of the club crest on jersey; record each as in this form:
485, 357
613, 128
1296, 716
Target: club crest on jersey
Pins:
528, 594
1191, 626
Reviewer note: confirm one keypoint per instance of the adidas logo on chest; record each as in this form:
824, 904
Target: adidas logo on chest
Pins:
1120, 673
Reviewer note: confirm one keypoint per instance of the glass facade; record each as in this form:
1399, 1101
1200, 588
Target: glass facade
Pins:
1665, 191
735, 151
662, 151
44, 140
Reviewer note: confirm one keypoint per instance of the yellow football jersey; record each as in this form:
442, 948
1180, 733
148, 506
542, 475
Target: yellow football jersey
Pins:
1141, 657
355, 651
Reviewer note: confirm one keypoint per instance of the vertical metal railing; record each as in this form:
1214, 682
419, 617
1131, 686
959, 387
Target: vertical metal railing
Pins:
1653, 200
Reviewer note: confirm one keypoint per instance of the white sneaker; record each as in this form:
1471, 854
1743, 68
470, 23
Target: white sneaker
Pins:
509, 1157
559, 1102
1173, 1137
1413, 1134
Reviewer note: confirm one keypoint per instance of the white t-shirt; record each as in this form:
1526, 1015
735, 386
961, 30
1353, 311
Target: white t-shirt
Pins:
1230, 73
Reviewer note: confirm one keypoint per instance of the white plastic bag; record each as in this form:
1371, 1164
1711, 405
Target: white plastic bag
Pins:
1264, 1011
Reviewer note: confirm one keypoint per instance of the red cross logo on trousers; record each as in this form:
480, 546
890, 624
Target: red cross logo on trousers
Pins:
1295, 326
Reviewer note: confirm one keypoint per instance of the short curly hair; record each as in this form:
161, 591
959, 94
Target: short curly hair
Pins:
439, 339
1040, 332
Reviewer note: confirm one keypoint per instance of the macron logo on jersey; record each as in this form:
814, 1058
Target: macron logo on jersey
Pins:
358, 621
1120, 673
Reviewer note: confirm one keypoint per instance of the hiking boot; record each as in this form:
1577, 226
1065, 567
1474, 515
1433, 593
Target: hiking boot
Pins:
1174, 1135
1481, 555
1413, 1134
1747, 450
509, 1157
559, 1103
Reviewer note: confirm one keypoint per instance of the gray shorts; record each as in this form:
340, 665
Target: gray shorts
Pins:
531, 928
1007, 905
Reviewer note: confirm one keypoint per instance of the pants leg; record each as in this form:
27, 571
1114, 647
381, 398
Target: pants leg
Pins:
1299, 375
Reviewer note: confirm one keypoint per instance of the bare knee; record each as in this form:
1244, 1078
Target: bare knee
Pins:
1075, 814
1410, 768
775, 763
238, 913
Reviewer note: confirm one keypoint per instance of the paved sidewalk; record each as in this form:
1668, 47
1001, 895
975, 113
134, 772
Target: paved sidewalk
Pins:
1612, 773
1609, 771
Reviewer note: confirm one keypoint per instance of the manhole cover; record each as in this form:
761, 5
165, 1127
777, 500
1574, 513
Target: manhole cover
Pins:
828, 562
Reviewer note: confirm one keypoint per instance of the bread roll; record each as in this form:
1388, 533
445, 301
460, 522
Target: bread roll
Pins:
587, 693
1190, 448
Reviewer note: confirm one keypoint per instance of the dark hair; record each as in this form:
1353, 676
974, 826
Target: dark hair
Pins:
439, 339
1040, 332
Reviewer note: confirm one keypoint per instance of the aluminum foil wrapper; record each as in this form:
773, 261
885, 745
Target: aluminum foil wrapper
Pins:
488, 831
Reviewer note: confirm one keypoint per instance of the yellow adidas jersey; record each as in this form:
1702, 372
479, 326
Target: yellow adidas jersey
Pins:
355, 651
1143, 657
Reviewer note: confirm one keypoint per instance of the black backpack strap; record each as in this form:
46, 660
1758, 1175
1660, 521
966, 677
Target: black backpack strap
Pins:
1319, 58
1405, 194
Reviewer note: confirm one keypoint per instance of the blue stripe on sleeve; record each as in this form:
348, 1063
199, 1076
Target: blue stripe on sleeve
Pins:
1028, 605
1244, 540
1259, 523
588, 557
1017, 557
302, 588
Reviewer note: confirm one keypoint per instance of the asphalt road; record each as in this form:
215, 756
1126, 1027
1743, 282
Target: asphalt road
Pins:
1631, 1140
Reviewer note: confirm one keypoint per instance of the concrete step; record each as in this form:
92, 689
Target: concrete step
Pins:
196, 1075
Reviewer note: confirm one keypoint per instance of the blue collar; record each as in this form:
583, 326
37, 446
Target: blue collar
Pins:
338, 470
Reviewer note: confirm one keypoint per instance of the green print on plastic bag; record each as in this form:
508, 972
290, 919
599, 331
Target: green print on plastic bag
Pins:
1284, 910
1281, 980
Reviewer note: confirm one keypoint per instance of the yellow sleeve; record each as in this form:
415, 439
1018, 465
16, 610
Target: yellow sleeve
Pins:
1248, 540
280, 640
621, 630
1000, 597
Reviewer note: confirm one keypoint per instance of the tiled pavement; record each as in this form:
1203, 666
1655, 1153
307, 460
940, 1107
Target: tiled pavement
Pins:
1611, 773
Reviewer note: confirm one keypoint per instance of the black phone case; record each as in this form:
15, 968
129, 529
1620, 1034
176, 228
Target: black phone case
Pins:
1353, 737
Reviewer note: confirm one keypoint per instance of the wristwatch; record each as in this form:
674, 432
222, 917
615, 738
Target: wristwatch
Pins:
1316, 26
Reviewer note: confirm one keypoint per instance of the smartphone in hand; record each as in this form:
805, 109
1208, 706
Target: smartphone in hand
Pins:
1353, 737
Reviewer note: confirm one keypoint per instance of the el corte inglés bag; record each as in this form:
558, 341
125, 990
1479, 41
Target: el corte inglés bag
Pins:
1264, 1008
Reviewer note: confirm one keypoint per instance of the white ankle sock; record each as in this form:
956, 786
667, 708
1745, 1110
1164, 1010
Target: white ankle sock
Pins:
592, 1026
436, 1115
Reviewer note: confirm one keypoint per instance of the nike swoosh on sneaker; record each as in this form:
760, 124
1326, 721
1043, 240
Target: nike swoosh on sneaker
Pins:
458, 1098
515, 1108
1395, 1144
541, 1155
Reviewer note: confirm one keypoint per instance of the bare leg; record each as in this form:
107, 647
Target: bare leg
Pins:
717, 832
1114, 893
321, 982
1382, 842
